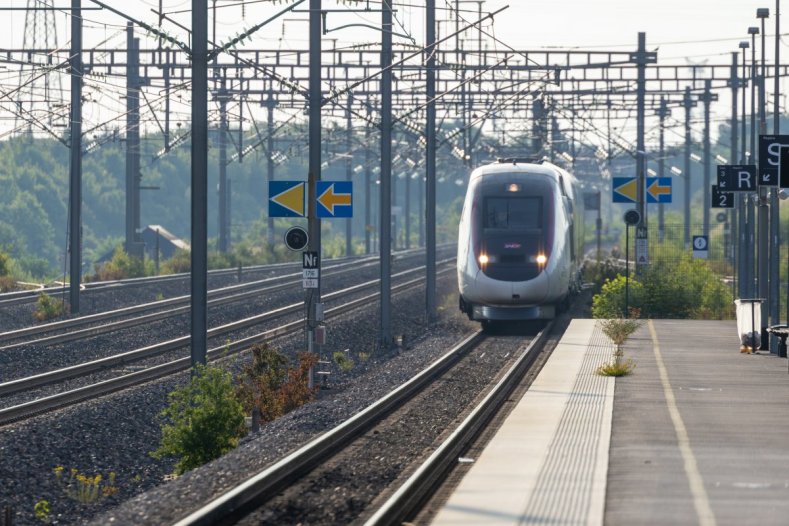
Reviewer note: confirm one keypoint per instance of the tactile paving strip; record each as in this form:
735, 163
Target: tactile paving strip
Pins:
576, 465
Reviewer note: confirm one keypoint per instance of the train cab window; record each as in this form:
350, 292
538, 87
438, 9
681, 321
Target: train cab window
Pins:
513, 212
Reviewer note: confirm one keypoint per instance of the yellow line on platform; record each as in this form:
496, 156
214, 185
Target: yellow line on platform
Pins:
700, 500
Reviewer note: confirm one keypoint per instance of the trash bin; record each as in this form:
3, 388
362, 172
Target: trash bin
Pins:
749, 322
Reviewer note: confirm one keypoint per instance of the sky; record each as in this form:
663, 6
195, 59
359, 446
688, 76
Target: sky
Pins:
681, 31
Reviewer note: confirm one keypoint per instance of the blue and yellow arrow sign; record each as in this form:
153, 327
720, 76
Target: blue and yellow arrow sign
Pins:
658, 189
286, 198
335, 198
625, 189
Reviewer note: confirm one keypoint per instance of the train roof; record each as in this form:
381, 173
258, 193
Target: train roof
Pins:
521, 165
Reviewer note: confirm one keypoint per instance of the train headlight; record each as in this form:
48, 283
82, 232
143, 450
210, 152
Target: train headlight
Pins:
483, 259
541, 259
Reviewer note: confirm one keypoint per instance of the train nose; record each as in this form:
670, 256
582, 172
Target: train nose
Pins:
532, 291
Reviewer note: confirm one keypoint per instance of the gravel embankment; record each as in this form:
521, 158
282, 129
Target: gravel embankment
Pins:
116, 433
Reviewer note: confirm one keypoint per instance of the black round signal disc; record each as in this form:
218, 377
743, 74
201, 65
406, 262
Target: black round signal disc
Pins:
632, 217
296, 238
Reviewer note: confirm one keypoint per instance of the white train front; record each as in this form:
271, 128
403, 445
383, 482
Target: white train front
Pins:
519, 241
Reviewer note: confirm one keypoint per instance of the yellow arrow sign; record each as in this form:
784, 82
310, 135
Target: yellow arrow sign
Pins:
656, 190
628, 189
329, 199
292, 199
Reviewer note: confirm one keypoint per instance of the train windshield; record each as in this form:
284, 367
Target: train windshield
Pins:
513, 213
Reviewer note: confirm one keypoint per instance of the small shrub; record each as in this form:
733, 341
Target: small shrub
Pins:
204, 419
616, 368
618, 330
610, 303
84, 488
7, 284
123, 266
42, 510
181, 262
159, 296
268, 384
343, 361
48, 308
363, 356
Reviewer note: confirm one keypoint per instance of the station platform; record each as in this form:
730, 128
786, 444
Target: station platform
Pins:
698, 433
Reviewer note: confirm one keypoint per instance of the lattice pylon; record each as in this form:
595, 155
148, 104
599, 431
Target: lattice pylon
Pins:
40, 97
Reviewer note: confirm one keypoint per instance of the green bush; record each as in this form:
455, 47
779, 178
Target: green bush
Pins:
204, 419
343, 361
123, 266
671, 287
48, 308
610, 303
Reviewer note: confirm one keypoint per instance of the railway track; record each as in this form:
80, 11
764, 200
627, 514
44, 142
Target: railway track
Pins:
277, 492
349, 297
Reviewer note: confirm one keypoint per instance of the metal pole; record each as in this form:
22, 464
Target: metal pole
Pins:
764, 220
430, 164
199, 158
775, 212
641, 158
385, 242
367, 184
132, 141
313, 296
742, 199
270, 105
752, 220
223, 219
734, 84
407, 212
705, 207
75, 158
348, 171
627, 270
688, 104
663, 112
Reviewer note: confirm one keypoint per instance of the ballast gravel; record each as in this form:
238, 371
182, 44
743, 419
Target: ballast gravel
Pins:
116, 433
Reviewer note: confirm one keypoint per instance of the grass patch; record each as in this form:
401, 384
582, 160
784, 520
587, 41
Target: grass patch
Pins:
617, 368
48, 308
343, 361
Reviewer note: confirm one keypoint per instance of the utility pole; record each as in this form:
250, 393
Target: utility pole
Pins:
348, 170
430, 163
75, 158
662, 112
642, 58
385, 242
687, 103
133, 85
223, 192
744, 226
707, 97
313, 296
199, 158
734, 83
270, 105
367, 186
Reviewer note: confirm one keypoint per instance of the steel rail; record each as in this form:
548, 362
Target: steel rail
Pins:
271, 480
40, 405
27, 296
251, 287
407, 500
182, 302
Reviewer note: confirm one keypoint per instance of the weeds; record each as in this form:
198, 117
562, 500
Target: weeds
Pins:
268, 384
42, 510
83, 488
618, 331
48, 308
343, 361
363, 356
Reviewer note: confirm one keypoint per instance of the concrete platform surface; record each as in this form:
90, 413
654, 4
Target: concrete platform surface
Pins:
697, 434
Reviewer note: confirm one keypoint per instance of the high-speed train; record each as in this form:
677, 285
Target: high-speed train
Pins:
519, 241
